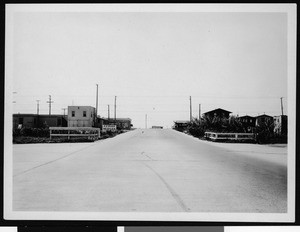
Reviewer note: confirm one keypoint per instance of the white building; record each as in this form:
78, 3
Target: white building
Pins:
106, 128
81, 116
280, 125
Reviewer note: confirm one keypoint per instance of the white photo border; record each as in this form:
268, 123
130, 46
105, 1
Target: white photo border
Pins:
9, 214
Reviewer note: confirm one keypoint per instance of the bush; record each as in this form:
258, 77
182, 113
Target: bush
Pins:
265, 133
30, 139
196, 131
220, 125
33, 132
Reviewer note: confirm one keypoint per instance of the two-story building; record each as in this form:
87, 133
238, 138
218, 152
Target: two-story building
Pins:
263, 120
248, 122
280, 125
221, 113
81, 116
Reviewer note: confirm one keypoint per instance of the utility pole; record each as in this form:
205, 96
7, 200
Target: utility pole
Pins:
190, 109
50, 104
281, 106
115, 108
37, 113
97, 101
62, 122
38, 107
64, 109
108, 111
199, 113
14, 101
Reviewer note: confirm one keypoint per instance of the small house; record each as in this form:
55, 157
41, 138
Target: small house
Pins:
181, 125
221, 113
263, 120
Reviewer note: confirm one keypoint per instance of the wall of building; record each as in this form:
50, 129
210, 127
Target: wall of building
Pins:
217, 113
81, 116
121, 123
263, 119
52, 120
24, 120
38, 121
280, 125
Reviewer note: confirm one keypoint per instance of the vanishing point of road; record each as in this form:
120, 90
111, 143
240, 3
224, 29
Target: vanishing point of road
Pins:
150, 170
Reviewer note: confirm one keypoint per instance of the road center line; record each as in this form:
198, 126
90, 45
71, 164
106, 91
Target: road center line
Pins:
149, 157
171, 190
52, 161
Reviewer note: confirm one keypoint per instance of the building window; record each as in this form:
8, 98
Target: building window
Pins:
73, 113
84, 113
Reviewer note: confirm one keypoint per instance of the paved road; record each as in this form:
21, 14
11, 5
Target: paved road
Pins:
149, 171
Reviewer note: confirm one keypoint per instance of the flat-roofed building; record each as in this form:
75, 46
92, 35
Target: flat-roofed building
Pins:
106, 128
181, 125
121, 123
280, 125
39, 120
81, 116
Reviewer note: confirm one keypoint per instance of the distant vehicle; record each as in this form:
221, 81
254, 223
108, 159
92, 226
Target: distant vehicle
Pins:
157, 127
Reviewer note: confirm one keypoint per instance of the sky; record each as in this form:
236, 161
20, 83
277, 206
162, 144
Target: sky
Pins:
152, 62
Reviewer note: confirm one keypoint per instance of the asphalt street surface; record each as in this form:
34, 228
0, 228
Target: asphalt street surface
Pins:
150, 170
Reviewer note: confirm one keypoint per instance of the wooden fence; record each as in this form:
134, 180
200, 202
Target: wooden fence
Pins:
229, 136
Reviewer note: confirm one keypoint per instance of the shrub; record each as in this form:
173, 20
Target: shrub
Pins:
33, 132
265, 132
232, 125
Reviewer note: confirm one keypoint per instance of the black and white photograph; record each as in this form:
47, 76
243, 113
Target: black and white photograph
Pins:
150, 112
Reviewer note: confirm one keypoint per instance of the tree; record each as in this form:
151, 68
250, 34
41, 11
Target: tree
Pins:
216, 124
265, 132
195, 128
